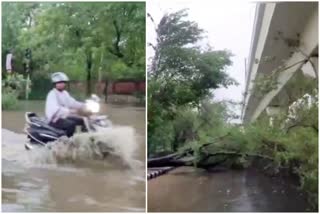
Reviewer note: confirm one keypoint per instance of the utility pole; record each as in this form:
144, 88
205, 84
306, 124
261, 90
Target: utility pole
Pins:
28, 56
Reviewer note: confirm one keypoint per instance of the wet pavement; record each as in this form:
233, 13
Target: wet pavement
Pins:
186, 189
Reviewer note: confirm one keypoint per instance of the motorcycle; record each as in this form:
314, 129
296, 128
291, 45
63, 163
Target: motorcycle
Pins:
40, 133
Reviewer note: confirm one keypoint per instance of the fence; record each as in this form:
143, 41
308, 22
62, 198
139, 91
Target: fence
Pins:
79, 88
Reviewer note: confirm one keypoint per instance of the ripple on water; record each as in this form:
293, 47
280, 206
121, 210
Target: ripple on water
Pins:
32, 184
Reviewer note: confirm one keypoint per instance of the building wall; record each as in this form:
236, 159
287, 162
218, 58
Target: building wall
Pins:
118, 88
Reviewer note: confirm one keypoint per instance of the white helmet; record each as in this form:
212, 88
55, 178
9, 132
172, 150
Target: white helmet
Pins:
59, 77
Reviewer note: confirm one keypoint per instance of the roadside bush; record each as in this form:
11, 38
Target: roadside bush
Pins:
9, 100
13, 87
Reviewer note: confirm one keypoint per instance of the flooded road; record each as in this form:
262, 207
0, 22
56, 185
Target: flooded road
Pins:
193, 190
28, 185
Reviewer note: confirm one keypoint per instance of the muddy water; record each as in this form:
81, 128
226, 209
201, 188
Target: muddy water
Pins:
188, 190
79, 187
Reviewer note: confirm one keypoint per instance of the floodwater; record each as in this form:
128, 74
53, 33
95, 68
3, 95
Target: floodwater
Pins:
186, 189
28, 185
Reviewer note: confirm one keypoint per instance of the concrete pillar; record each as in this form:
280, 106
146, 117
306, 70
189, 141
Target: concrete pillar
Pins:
310, 69
273, 110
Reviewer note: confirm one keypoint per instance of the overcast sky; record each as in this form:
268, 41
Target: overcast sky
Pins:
228, 25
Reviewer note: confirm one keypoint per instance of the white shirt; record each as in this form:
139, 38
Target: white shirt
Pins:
59, 104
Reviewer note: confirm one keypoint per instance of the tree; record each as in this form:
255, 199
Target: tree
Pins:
89, 40
16, 18
182, 73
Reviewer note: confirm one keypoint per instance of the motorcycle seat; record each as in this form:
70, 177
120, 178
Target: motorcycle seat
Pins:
35, 121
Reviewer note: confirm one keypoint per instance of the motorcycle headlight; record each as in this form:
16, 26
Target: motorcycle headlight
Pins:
93, 106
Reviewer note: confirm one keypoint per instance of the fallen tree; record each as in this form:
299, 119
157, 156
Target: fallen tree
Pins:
188, 157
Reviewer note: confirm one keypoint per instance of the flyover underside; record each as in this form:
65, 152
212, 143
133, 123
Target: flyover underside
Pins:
292, 38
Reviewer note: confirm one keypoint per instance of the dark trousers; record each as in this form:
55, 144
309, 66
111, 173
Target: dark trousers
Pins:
69, 124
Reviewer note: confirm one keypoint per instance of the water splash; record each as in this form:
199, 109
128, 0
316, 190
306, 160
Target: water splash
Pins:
115, 145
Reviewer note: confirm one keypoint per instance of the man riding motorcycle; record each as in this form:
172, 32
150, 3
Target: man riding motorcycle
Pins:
61, 109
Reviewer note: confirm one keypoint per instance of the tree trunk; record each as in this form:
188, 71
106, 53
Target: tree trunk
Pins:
187, 157
106, 91
177, 160
100, 67
89, 66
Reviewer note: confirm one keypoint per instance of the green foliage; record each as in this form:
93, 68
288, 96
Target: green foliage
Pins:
265, 83
291, 143
15, 83
161, 137
13, 86
9, 100
184, 126
181, 74
90, 40
41, 85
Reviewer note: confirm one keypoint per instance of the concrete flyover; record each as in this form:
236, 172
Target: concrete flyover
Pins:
285, 35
